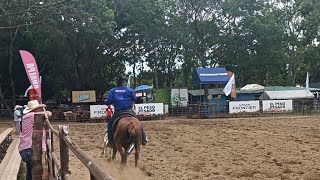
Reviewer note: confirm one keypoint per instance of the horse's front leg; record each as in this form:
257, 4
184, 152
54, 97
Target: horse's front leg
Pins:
103, 149
105, 140
114, 153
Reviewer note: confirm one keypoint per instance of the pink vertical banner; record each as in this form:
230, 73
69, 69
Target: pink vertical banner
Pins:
32, 70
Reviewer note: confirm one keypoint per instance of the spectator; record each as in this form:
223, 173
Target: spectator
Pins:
17, 117
25, 145
109, 112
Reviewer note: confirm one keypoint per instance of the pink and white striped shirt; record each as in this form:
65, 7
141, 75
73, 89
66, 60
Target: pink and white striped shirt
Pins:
27, 130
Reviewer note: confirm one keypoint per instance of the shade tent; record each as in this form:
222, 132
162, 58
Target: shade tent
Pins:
210, 76
252, 88
143, 88
288, 94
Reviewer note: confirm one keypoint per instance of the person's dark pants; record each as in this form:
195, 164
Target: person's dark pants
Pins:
20, 125
111, 121
26, 156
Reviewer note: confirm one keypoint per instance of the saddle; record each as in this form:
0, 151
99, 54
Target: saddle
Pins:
123, 114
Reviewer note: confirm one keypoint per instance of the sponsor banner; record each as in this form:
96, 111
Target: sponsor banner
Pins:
149, 109
33, 95
99, 111
179, 97
31, 68
243, 106
277, 106
83, 96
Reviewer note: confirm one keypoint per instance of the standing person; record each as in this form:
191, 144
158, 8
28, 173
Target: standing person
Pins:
109, 112
17, 118
25, 145
122, 98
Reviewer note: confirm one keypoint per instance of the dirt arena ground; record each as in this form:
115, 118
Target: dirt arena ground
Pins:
237, 148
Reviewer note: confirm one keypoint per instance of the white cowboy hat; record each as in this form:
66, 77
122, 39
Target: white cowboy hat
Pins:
34, 104
17, 106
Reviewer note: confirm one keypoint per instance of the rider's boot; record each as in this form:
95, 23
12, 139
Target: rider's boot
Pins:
145, 140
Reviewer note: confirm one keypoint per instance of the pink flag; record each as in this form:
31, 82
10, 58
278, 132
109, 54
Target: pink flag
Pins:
32, 70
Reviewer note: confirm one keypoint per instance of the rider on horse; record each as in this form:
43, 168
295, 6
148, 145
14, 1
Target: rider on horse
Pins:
122, 98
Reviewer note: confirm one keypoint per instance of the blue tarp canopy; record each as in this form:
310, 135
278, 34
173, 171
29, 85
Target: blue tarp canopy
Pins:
143, 88
210, 76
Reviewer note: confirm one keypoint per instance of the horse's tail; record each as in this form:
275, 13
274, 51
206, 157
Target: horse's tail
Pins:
132, 129
133, 136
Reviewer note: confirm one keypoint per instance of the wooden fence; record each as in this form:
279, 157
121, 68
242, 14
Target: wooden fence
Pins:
10, 162
53, 167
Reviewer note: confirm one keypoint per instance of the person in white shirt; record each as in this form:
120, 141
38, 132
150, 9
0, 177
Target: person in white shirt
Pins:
17, 116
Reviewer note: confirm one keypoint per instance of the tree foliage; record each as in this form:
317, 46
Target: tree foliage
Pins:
83, 45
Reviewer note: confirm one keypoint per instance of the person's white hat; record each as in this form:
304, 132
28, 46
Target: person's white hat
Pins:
34, 104
17, 106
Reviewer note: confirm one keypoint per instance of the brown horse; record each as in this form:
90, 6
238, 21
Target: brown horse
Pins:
127, 134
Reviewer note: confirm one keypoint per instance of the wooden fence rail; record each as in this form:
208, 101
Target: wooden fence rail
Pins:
56, 168
10, 164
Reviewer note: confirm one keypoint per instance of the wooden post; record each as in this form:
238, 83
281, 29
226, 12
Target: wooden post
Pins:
64, 153
53, 170
37, 169
46, 166
92, 176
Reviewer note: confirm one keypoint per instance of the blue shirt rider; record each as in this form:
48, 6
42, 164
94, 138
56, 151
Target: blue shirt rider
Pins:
122, 98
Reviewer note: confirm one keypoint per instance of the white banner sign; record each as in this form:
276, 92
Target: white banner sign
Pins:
277, 106
179, 97
149, 109
98, 111
243, 106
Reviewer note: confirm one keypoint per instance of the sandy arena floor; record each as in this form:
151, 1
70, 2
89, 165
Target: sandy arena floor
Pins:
238, 148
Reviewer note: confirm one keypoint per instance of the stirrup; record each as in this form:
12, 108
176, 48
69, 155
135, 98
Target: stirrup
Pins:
144, 142
109, 145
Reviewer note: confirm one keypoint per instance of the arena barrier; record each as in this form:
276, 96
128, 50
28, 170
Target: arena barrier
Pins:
221, 110
53, 167
10, 164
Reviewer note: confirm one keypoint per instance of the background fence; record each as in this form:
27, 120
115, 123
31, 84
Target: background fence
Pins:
206, 110
203, 110
59, 113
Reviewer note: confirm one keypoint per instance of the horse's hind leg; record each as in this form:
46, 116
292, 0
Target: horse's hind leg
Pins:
136, 155
123, 154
